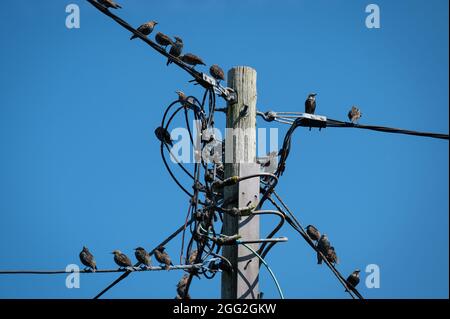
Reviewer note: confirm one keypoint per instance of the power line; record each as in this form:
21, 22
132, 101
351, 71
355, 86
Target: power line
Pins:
207, 204
123, 276
308, 120
298, 227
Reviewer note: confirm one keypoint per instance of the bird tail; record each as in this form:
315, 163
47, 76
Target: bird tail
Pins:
168, 61
133, 37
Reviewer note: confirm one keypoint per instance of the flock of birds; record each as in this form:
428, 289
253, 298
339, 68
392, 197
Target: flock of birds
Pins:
310, 107
176, 45
176, 50
144, 261
323, 246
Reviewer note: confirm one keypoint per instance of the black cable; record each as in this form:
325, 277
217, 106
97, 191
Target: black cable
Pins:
335, 123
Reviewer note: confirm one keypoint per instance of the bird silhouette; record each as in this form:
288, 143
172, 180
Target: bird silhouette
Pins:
192, 59
121, 259
353, 279
312, 232
87, 259
193, 257
145, 29
310, 103
354, 114
331, 256
217, 72
163, 135
176, 49
142, 256
163, 40
322, 246
162, 257
181, 287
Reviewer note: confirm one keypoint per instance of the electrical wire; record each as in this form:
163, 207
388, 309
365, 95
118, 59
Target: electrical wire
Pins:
267, 266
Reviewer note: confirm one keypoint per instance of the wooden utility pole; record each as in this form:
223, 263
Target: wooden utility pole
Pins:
240, 160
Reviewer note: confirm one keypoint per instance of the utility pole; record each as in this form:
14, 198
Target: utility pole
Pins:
240, 160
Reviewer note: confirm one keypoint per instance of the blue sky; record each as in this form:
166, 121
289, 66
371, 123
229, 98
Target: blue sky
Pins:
80, 164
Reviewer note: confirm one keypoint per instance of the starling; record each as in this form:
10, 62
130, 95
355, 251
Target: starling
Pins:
181, 96
87, 259
181, 287
310, 103
354, 114
145, 29
322, 246
163, 135
187, 102
175, 49
192, 59
312, 232
216, 72
121, 259
193, 257
109, 4
163, 40
353, 279
331, 256
162, 257
142, 256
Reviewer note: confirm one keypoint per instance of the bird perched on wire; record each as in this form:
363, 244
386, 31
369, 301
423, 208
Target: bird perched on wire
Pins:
121, 259
331, 256
142, 256
313, 232
181, 96
217, 72
186, 101
192, 59
176, 49
322, 246
163, 40
109, 4
87, 259
310, 103
163, 135
353, 279
145, 29
181, 287
162, 257
191, 261
354, 114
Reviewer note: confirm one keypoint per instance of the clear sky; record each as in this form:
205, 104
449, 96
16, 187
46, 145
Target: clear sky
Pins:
80, 165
